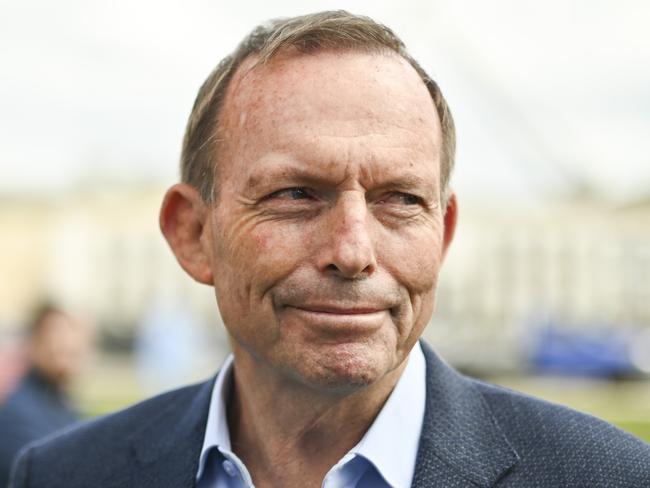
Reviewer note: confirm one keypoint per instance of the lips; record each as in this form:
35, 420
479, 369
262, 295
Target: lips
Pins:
325, 307
338, 310
336, 324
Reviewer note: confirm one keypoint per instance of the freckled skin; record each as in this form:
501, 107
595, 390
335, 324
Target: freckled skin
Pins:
346, 130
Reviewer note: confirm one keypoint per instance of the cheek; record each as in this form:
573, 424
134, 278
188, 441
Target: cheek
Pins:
413, 261
250, 262
258, 256
279, 248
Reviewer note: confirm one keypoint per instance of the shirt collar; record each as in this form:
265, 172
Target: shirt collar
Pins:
390, 444
216, 429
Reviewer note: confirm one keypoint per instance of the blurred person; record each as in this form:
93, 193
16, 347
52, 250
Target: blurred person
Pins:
11, 366
315, 199
39, 405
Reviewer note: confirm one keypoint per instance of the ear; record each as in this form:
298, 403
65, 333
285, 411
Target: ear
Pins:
183, 223
450, 219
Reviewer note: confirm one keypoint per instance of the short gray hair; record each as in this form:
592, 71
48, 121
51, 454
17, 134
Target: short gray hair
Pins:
307, 33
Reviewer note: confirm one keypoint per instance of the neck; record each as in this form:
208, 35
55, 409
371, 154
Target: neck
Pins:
290, 434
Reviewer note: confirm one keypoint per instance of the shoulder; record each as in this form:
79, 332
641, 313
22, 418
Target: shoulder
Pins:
490, 432
112, 427
23, 417
566, 446
102, 446
26, 395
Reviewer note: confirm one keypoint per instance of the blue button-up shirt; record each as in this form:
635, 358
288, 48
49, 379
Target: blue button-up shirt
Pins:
385, 456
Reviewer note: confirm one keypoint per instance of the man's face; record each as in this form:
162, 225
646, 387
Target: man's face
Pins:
327, 233
60, 348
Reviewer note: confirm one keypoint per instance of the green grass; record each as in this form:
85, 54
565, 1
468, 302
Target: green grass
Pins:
638, 428
625, 404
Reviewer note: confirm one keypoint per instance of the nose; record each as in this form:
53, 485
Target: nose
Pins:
348, 246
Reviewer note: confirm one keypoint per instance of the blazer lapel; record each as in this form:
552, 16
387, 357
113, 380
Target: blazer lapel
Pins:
168, 447
461, 444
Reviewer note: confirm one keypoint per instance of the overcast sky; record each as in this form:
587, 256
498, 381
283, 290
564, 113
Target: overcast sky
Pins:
547, 96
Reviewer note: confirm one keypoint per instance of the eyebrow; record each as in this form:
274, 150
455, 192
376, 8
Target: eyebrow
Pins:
287, 171
409, 180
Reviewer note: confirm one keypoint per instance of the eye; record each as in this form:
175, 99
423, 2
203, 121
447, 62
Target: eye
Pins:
409, 199
400, 198
295, 193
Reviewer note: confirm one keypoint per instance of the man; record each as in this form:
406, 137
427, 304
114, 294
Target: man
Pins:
39, 405
315, 199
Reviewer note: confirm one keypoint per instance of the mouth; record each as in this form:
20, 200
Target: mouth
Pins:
338, 323
334, 310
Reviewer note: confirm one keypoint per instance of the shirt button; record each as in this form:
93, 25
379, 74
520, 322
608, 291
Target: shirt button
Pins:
229, 468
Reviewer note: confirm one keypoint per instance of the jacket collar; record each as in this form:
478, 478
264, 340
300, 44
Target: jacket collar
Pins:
461, 442
168, 447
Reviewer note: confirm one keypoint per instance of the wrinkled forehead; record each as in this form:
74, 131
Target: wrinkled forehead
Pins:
344, 85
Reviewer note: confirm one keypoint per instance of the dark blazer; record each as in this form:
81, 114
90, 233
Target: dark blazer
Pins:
474, 435
33, 410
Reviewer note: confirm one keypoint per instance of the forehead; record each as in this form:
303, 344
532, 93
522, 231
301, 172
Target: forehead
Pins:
376, 84
359, 100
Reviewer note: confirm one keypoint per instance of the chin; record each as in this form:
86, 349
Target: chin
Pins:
344, 368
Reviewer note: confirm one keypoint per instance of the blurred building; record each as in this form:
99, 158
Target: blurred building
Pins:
578, 263
98, 249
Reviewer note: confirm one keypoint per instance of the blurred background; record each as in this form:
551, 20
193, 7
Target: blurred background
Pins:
546, 286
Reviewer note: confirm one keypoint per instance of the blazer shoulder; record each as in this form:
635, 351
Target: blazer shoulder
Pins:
569, 446
100, 444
